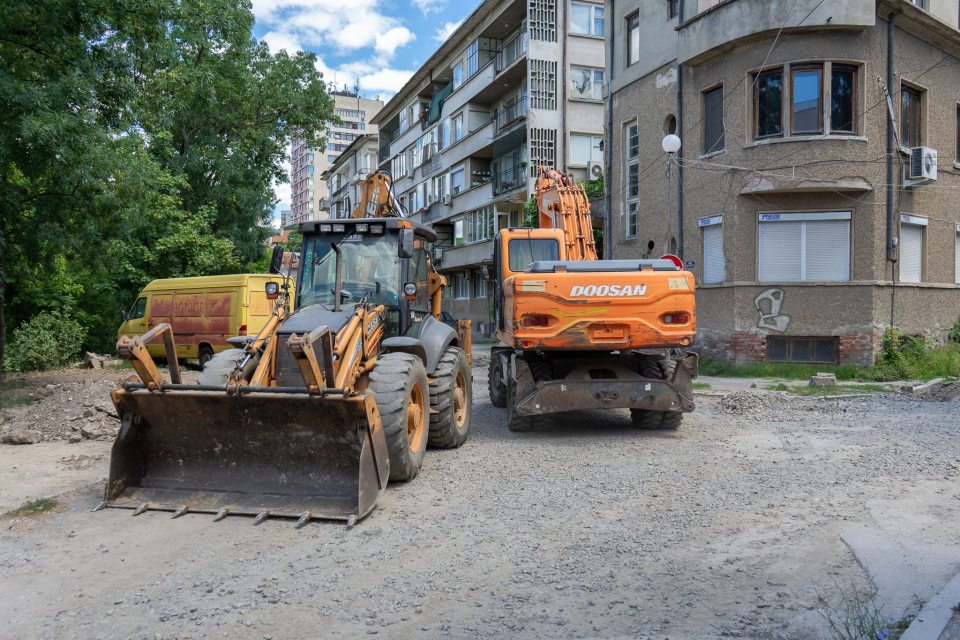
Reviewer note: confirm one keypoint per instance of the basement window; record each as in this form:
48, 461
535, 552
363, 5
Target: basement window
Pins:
807, 350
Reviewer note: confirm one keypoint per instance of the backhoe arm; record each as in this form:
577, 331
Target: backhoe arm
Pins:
377, 199
563, 205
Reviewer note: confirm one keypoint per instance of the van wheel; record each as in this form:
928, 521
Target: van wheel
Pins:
206, 355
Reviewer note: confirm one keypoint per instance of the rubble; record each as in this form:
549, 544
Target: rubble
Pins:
21, 436
823, 380
94, 361
775, 407
942, 392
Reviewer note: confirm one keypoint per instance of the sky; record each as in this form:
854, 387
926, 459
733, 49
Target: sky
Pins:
379, 44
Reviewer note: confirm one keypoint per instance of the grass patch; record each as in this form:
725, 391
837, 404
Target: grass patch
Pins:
32, 507
856, 617
775, 370
839, 390
124, 364
13, 385
701, 385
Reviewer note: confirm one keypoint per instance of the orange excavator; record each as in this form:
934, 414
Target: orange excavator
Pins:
582, 333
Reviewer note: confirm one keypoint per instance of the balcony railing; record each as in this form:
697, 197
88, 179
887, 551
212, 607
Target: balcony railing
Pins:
510, 114
510, 179
514, 48
386, 137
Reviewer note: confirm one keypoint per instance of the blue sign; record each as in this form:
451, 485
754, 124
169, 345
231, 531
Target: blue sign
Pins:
690, 264
768, 217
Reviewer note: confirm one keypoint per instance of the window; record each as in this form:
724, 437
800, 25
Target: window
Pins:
458, 127
813, 350
632, 179
910, 118
714, 265
586, 19
956, 267
473, 60
843, 99
584, 149
911, 248
456, 180
586, 83
673, 9
403, 121
457, 75
139, 309
525, 251
458, 232
479, 286
958, 133
439, 186
461, 287
919, 3
714, 137
398, 166
481, 224
804, 247
633, 40
768, 104
443, 137
331, 158
806, 110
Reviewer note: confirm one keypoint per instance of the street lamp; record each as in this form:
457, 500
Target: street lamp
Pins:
671, 144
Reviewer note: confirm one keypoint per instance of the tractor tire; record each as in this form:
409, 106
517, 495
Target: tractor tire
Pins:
398, 383
542, 372
215, 370
498, 390
451, 396
206, 354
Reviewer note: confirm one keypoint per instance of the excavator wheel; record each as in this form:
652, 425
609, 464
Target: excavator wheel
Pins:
644, 418
671, 419
542, 372
399, 385
215, 369
451, 395
498, 390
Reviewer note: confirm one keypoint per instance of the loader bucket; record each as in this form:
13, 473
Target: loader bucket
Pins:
261, 454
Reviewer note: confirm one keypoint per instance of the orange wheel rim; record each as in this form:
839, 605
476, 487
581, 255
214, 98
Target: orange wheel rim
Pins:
416, 411
460, 399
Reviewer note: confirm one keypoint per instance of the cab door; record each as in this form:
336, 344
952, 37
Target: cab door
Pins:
136, 322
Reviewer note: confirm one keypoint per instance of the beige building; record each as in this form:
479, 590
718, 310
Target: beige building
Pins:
517, 85
307, 190
784, 166
343, 177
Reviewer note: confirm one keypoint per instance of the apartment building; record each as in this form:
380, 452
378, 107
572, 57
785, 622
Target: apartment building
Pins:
344, 176
517, 85
286, 218
783, 168
307, 190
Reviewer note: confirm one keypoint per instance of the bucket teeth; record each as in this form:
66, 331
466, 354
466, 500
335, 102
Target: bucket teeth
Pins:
179, 512
304, 518
261, 517
223, 513
141, 509
99, 506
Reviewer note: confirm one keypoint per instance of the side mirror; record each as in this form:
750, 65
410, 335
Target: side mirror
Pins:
124, 315
406, 243
276, 260
272, 289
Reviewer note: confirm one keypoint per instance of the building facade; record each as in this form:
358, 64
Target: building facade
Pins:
516, 86
307, 164
783, 215
343, 177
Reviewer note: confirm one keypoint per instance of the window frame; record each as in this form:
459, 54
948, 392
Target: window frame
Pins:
633, 26
777, 71
914, 221
722, 138
595, 88
592, 137
905, 91
673, 9
591, 20
631, 160
458, 76
854, 70
806, 68
804, 217
705, 224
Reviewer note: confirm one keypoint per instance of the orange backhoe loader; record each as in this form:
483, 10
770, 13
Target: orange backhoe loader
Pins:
582, 333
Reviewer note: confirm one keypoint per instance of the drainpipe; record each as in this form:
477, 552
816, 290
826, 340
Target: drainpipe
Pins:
607, 214
563, 79
679, 133
891, 150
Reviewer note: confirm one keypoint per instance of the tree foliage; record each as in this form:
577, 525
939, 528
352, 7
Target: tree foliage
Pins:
139, 139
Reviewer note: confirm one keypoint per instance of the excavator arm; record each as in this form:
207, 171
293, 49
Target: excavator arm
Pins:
377, 199
563, 205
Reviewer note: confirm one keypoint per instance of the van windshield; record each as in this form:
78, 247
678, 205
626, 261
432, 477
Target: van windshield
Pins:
370, 265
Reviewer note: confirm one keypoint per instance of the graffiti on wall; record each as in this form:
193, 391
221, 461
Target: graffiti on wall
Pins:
768, 306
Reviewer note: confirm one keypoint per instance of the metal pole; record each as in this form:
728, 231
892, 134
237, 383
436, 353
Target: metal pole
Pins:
669, 199
680, 166
891, 150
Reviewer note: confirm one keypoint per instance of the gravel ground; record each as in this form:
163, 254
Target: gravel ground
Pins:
728, 527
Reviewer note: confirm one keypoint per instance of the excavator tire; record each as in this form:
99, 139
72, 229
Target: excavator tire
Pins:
451, 396
399, 385
498, 391
671, 419
542, 372
216, 368
644, 418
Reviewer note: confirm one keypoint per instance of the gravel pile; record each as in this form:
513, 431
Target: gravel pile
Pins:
776, 407
944, 392
71, 411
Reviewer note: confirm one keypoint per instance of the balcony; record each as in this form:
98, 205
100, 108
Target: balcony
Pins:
386, 136
510, 179
514, 49
510, 115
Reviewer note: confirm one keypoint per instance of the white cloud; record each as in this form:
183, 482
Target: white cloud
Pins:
429, 5
397, 37
387, 81
277, 41
447, 30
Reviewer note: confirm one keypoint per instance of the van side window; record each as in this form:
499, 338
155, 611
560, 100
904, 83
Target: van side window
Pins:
139, 309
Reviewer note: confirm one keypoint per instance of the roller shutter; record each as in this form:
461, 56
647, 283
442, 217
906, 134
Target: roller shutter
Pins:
911, 253
780, 251
713, 263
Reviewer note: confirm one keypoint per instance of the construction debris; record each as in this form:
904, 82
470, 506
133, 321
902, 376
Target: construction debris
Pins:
823, 380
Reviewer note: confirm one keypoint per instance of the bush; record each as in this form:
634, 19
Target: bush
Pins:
47, 340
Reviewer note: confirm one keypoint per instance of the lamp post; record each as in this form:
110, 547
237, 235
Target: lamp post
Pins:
671, 144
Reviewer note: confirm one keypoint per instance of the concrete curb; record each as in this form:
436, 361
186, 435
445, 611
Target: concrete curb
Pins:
934, 617
920, 388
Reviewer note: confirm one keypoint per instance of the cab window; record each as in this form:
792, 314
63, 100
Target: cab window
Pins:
139, 309
526, 251
418, 274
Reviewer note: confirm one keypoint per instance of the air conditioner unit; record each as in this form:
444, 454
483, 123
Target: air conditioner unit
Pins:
437, 255
923, 167
447, 200
594, 170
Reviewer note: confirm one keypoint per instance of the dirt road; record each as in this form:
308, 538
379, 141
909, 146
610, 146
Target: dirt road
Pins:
728, 527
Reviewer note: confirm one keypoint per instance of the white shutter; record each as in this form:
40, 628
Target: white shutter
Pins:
827, 250
956, 263
780, 252
713, 265
911, 252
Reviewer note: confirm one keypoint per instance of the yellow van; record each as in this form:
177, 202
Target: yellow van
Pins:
203, 312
